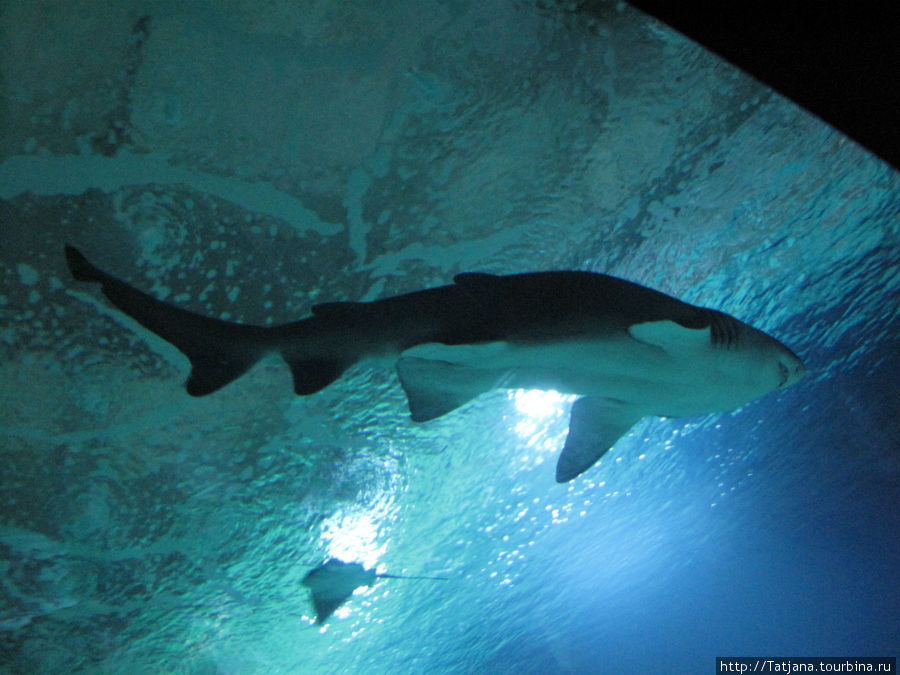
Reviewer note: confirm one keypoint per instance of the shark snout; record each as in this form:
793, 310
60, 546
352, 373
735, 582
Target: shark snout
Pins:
791, 367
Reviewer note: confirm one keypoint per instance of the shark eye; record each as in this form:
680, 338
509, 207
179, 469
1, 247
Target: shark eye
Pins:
784, 372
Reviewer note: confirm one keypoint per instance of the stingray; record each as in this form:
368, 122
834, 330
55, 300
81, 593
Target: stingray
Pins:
334, 581
626, 350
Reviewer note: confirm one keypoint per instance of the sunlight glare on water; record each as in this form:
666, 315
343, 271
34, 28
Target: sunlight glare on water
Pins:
540, 408
253, 160
352, 536
543, 424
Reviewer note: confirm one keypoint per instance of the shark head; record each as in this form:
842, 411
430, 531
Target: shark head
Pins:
675, 372
764, 363
708, 370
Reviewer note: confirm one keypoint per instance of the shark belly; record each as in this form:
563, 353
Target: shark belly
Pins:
621, 369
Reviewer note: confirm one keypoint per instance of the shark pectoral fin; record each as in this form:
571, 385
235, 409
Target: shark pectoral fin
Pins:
594, 427
670, 336
434, 388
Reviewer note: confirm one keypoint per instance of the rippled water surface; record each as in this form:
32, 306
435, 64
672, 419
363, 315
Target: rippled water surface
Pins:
248, 161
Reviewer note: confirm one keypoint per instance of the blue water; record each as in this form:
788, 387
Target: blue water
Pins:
250, 161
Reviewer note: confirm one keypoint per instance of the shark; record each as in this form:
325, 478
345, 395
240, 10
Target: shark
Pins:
625, 350
334, 581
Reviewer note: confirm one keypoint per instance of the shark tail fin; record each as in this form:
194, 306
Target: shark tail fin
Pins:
219, 351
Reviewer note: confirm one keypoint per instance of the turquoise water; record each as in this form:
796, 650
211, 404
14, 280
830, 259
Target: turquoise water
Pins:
249, 162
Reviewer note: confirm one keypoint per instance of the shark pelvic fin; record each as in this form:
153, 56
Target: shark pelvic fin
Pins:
434, 388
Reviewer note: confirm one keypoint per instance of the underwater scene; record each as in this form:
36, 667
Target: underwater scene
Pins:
246, 162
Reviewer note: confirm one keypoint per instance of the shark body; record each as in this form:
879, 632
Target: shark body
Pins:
626, 350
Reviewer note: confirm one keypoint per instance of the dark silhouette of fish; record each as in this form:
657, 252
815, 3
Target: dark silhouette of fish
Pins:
333, 582
628, 351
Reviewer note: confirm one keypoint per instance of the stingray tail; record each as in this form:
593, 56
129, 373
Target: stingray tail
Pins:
397, 576
219, 351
